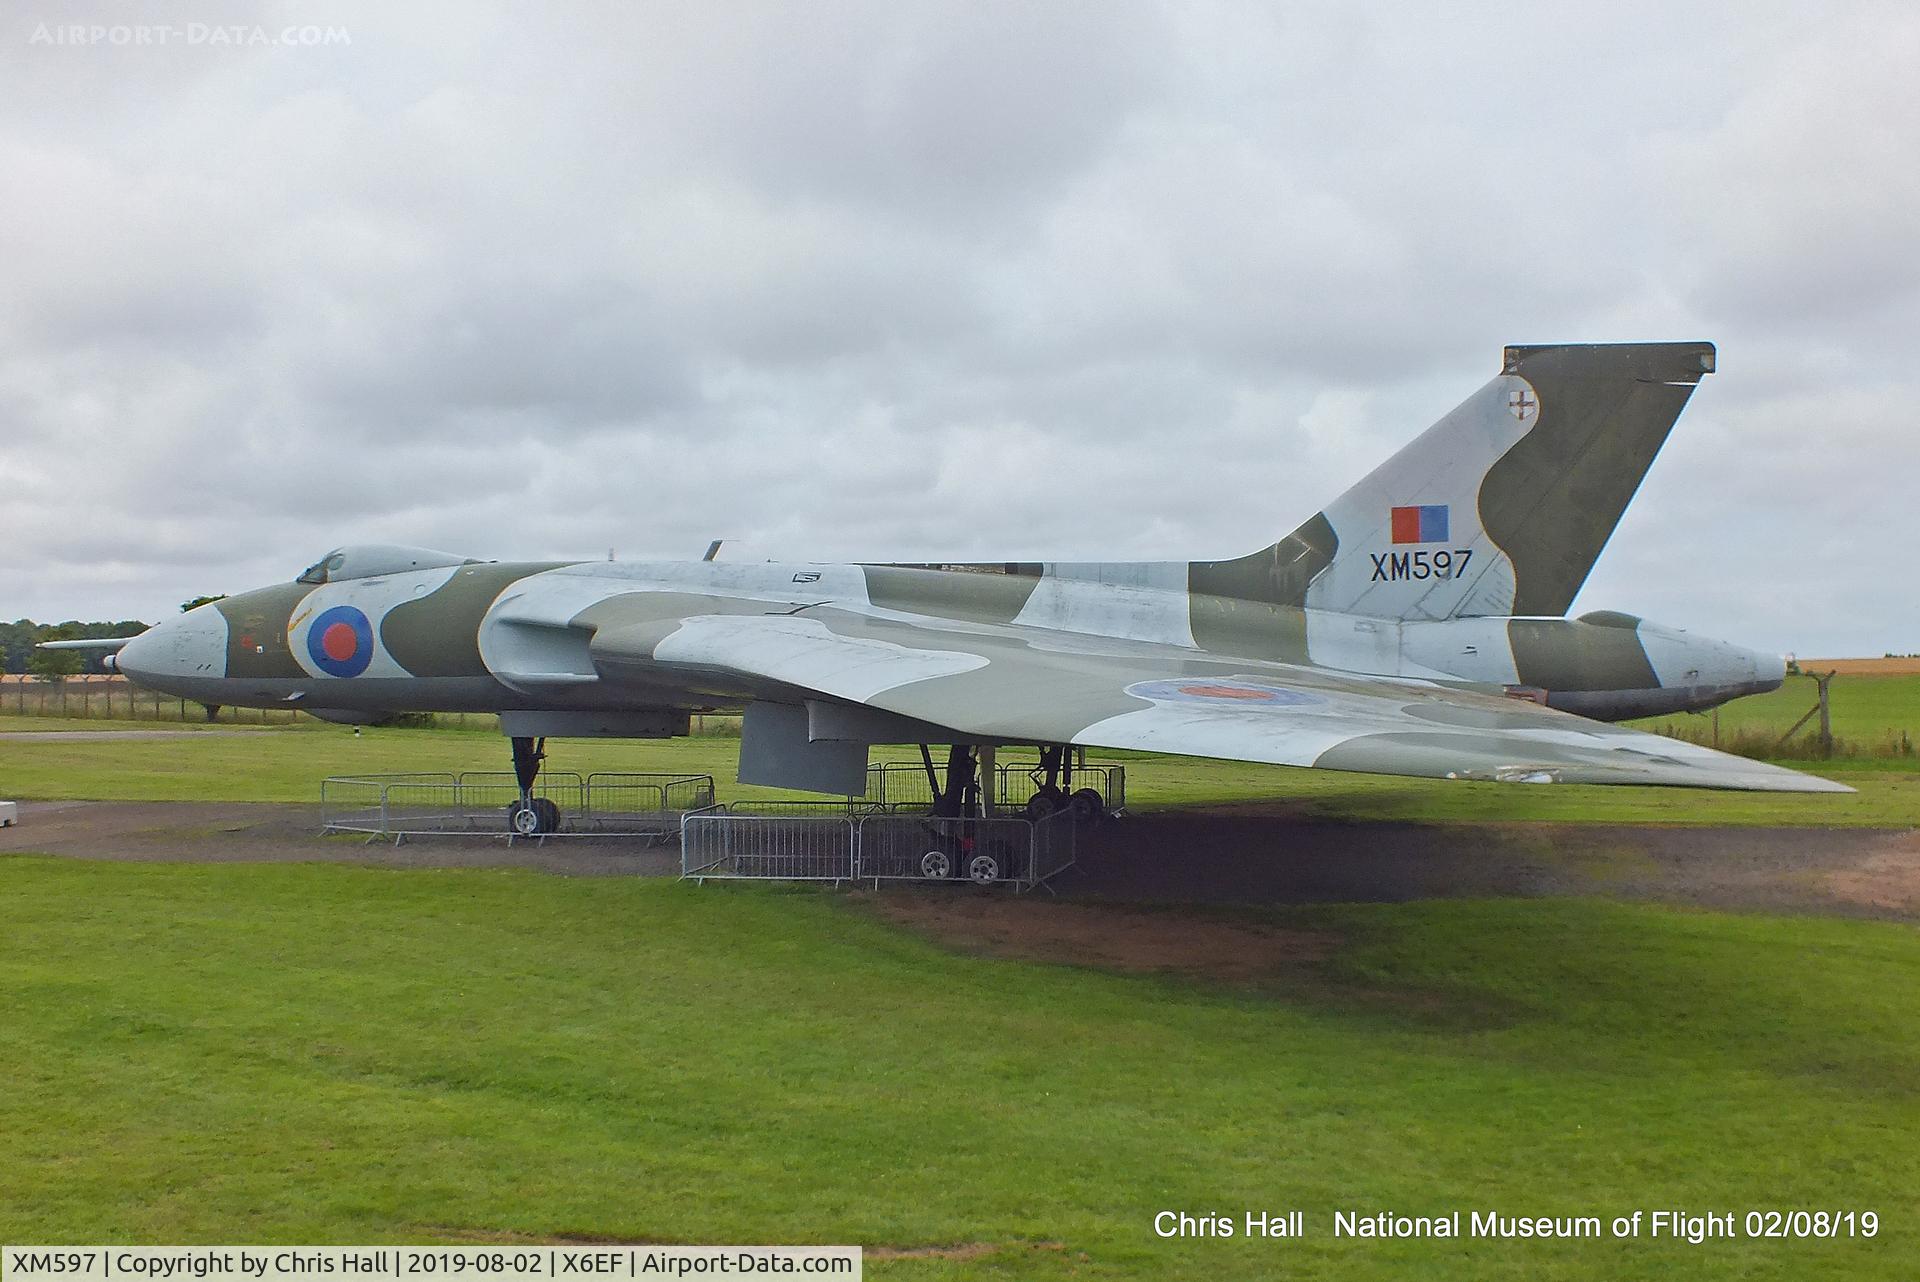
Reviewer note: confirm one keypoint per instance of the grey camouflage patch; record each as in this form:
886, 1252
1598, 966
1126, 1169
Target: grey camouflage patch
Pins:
1553, 500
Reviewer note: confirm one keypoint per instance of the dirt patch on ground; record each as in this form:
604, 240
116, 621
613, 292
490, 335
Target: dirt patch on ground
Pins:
1238, 855
1231, 948
1251, 854
439, 1233
1107, 936
1886, 878
959, 1251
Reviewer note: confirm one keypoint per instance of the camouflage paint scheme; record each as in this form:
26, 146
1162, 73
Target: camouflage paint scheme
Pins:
1385, 635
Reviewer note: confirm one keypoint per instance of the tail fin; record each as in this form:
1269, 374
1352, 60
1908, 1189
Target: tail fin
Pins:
1501, 507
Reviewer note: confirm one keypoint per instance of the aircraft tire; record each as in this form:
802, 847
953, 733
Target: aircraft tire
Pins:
936, 865
1044, 804
1088, 806
548, 811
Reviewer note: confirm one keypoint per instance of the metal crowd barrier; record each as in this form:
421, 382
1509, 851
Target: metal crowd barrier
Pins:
848, 839
923, 848
801, 808
475, 802
834, 841
785, 847
1055, 848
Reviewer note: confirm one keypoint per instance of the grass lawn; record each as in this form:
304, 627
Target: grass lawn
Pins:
1864, 707
322, 1054
1867, 711
287, 765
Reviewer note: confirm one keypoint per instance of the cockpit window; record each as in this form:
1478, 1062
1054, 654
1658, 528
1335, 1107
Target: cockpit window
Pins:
319, 571
368, 560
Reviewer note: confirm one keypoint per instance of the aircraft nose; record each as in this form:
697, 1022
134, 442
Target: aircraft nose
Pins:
169, 655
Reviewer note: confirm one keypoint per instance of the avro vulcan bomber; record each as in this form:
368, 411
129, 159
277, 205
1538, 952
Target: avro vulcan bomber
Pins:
1417, 626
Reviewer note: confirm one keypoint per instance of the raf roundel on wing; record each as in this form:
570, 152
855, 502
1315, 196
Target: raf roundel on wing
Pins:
1238, 693
340, 641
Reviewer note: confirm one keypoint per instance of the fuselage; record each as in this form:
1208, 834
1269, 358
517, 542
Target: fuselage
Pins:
392, 635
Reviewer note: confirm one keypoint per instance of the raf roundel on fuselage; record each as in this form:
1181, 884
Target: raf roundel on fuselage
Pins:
340, 641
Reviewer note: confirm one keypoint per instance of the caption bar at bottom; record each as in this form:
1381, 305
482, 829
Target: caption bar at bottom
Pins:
372, 1263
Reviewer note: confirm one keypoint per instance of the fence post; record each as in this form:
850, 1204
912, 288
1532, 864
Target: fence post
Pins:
1826, 719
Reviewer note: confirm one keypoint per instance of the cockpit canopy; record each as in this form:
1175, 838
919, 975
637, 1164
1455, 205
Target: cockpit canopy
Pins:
365, 560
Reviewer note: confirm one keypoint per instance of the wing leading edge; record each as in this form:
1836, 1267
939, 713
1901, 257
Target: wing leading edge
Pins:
1028, 685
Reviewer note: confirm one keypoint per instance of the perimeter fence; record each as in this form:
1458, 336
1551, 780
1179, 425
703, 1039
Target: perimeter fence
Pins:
114, 698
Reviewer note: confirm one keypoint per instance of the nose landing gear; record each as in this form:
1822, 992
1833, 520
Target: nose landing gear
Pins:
530, 816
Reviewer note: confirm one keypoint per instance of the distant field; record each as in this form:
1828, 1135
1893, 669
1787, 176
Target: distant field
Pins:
287, 765
1900, 666
309, 1054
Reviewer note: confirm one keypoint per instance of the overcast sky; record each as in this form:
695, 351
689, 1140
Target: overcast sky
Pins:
914, 281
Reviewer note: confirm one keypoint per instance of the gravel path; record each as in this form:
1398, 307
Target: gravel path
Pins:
243, 832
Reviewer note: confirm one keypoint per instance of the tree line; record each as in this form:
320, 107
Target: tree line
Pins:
18, 639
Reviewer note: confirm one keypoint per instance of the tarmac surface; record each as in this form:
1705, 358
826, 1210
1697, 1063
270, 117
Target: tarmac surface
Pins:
1229, 855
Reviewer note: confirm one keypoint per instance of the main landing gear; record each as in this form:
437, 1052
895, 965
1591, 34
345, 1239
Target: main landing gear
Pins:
1056, 792
956, 845
961, 839
530, 816
959, 796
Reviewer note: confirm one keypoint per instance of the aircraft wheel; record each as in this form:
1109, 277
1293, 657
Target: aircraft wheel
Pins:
935, 864
1043, 803
983, 870
523, 820
1088, 806
549, 812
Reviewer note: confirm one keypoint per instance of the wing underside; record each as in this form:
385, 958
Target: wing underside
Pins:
1002, 682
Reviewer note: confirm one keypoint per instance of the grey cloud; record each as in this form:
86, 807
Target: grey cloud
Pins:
928, 280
